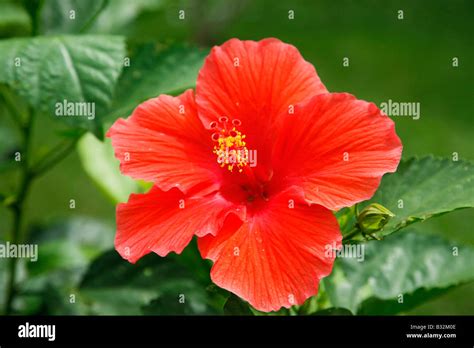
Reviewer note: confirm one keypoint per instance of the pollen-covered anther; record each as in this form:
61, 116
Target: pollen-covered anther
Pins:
230, 148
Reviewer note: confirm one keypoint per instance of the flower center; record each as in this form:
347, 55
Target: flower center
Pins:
230, 146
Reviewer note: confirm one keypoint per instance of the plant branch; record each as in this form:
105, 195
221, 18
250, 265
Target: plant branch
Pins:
352, 233
28, 174
54, 156
17, 208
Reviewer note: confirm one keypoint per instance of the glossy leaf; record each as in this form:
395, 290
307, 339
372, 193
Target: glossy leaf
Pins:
396, 270
50, 71
420, 189
154, 285
155, 70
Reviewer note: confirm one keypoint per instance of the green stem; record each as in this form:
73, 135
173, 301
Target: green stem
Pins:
53, 157
355, 229
17, 208
28, 176
36, 19
352, 233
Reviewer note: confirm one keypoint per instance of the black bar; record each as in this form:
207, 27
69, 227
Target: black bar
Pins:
134, 330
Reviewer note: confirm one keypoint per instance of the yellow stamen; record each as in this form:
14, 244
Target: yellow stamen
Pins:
230, 150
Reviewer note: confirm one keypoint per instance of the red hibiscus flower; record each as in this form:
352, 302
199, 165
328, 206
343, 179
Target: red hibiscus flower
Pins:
253, 163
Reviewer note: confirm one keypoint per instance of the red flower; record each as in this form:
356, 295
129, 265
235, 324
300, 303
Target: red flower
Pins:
253, 164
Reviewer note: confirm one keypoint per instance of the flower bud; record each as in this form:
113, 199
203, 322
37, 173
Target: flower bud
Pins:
373, 218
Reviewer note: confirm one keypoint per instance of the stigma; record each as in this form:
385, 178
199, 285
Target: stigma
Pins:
230, 146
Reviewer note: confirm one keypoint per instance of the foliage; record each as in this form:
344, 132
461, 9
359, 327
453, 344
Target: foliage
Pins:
399, 273
99, 54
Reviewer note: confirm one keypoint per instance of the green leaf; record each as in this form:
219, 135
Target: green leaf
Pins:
68, 244
378, 306
121, 16
417, 266
311, 305
65, 248
153, 71
49, 71
235, 306
420, 189
187, 300
191, 259
69, 16
14, 20
153, 285
103, 168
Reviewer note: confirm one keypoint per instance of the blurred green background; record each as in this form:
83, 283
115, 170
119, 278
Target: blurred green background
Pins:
408, 60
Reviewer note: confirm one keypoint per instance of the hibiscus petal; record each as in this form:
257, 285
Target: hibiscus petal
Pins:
336, 148
277, 258
164, 142
162, 221
254, 82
